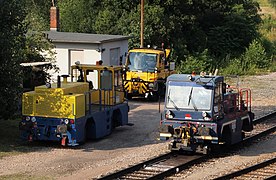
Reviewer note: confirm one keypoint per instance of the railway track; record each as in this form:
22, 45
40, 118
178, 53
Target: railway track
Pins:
170, 164
263, 170
158, 167
262, 127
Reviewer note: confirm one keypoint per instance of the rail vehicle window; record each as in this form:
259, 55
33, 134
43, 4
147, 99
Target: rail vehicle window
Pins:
139, 61
118, 81
218, 100
188, 95
75, 75
92, 78
80, 76
106, 79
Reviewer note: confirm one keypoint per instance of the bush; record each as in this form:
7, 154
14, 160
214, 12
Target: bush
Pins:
253, 60
197, 63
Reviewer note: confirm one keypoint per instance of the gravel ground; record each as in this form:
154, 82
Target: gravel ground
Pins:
131, 144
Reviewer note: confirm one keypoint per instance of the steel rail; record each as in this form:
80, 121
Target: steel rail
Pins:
271, 129
179, 168
136, 167
157, 168
253, 168
264, 118
123, 174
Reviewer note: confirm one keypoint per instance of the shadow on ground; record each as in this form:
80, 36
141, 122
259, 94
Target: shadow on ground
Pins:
143, 114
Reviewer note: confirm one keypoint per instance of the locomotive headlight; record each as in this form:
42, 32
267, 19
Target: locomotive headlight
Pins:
66, 121
169, 114
204, 114
33, 119
28, 118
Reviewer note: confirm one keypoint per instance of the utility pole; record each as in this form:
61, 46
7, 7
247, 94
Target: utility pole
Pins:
142, 25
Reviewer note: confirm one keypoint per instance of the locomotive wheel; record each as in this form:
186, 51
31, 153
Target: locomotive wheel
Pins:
226, 137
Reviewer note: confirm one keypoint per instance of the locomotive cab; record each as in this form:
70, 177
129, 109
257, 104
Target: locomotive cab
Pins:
199, 112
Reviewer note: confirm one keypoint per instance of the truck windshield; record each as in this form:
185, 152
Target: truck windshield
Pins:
139, 61
189, 95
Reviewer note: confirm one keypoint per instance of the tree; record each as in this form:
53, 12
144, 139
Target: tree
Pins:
190, 27
273, 3
38, 47
78, 16
12, 45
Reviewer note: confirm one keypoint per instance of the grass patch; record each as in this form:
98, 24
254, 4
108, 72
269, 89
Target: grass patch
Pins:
10, 142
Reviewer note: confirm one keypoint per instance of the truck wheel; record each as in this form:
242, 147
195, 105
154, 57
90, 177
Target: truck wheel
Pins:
226, 137
154, 96
129, 96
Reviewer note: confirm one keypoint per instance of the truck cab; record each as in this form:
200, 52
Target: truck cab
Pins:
146, 72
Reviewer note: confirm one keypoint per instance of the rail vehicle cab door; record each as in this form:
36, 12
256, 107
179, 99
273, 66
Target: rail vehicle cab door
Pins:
111, 81
118, 86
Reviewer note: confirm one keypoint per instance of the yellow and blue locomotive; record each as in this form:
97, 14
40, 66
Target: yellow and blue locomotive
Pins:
202, 111
71, 112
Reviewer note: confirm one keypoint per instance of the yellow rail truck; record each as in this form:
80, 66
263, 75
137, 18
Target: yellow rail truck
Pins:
71, 112
146, 72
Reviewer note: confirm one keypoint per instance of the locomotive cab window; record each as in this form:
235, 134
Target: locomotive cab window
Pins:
106, 79
118, 81
189, 95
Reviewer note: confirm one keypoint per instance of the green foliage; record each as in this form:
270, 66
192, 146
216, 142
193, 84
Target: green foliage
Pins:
273, 3
12, 45
253, 60
197, 63
254, 56
222, 27
220, 30
22, 40
38, 15
233, 68
38, 47
78, 16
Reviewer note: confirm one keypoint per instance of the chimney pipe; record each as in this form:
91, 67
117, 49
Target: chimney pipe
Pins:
54, 19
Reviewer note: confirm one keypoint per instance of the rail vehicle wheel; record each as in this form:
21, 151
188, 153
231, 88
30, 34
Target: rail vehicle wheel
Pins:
89, 129
206, 150
243, 135
215, 148
85, 138
226, 137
